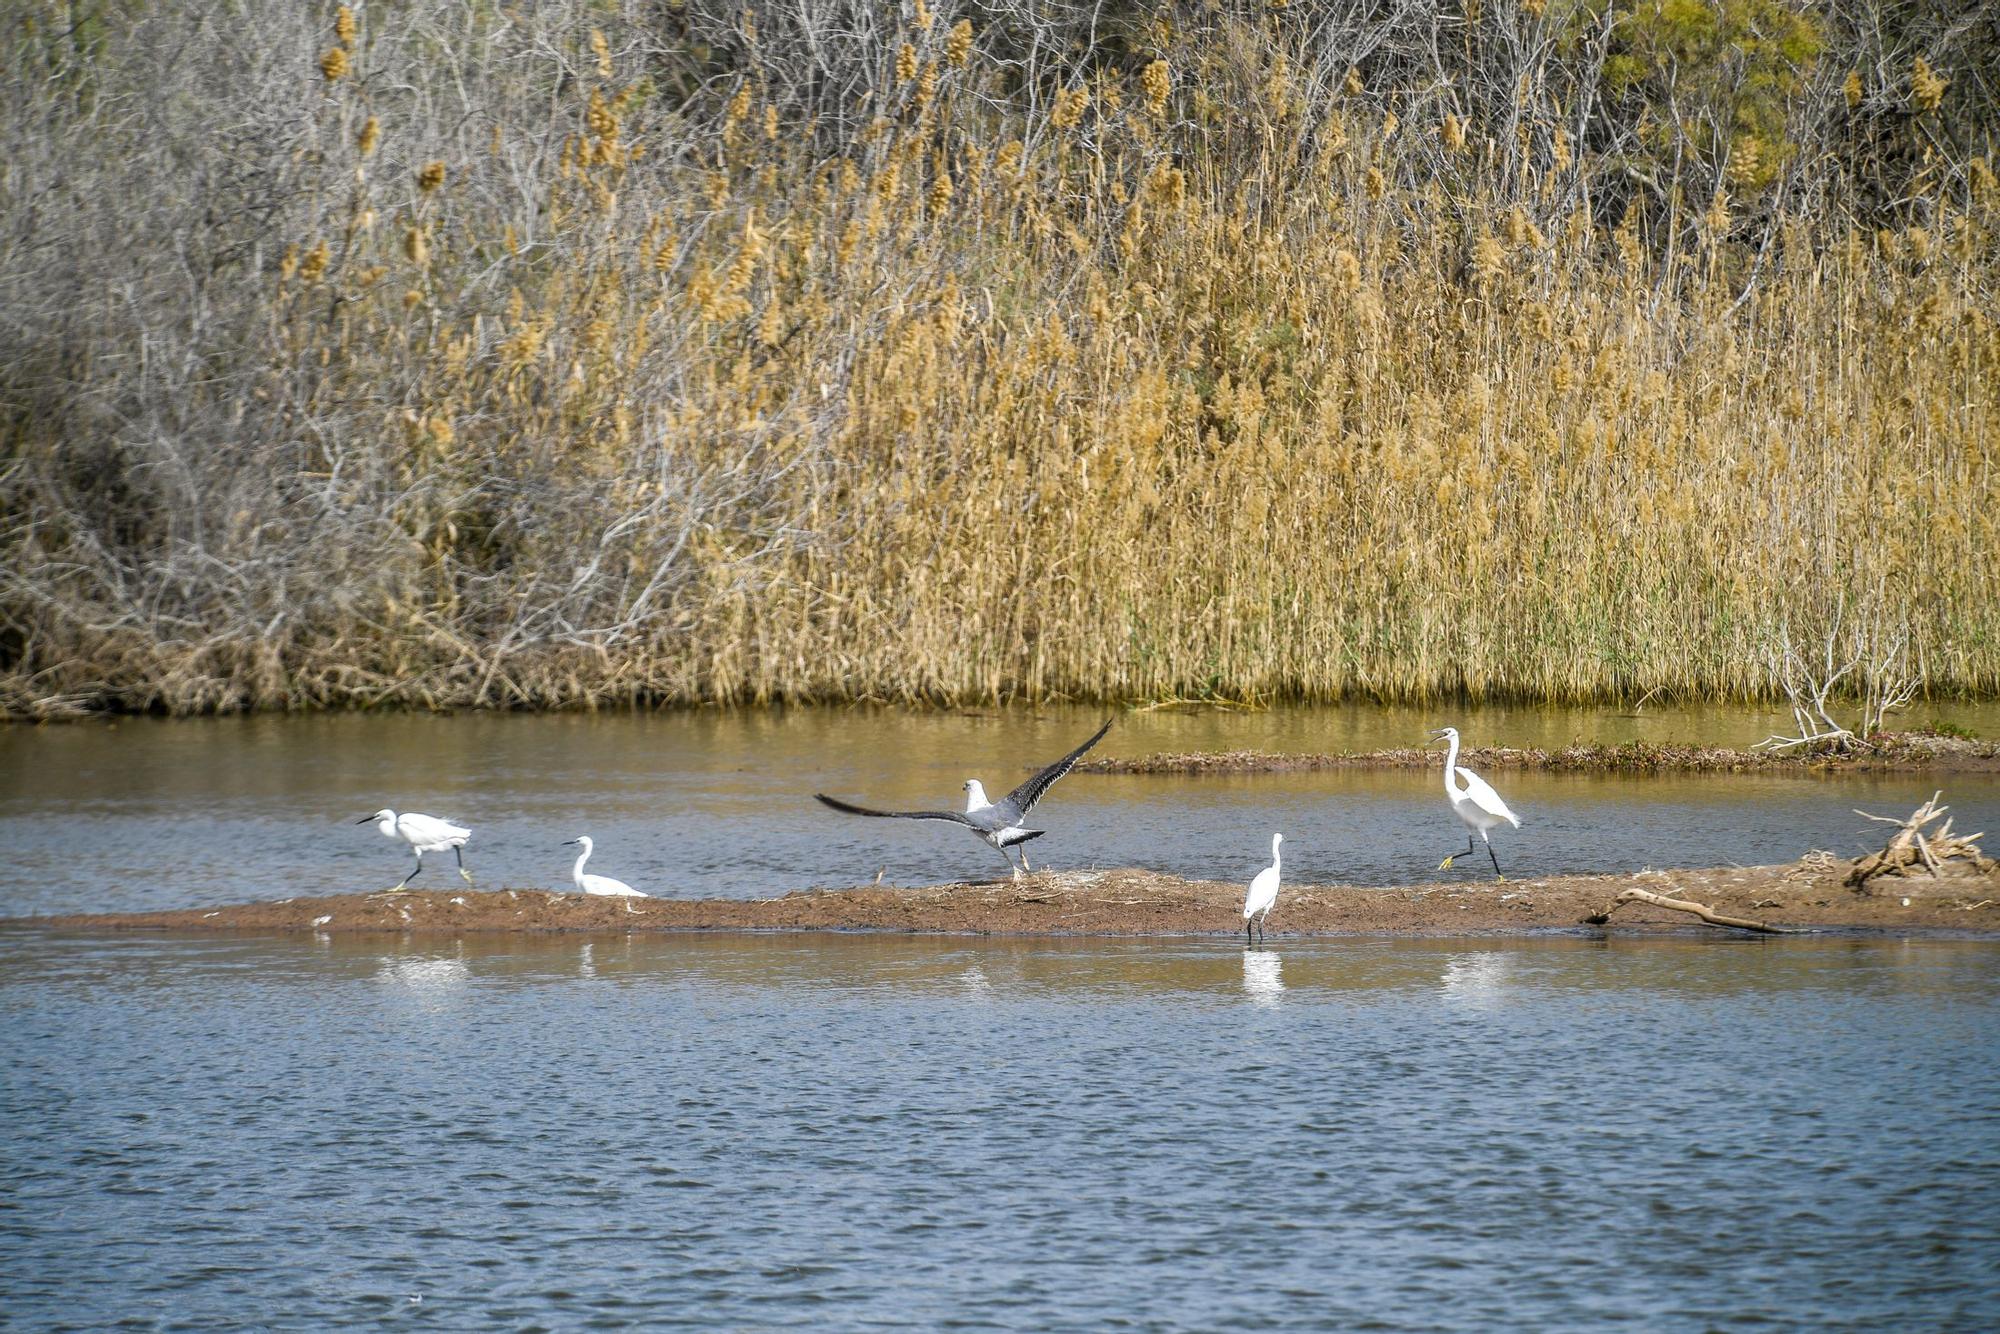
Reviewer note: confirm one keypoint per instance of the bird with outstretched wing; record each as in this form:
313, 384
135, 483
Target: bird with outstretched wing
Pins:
997, 823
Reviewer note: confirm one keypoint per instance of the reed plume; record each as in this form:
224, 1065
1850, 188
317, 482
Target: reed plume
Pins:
1183, 365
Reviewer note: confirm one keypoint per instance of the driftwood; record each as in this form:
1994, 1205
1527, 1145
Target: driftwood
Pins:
1701, 910
1910, 847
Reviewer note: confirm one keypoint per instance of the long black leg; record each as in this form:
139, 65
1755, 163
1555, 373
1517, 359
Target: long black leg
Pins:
414, 873
460, 854
1496, 860
1246, 931
1470, 848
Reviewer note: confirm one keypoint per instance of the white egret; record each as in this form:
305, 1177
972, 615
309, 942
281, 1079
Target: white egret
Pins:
425, 833
998, 823
598, 884
1477, 806
1263, 893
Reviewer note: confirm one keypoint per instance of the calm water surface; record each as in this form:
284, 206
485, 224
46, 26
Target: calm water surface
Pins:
853, 1132
140, 814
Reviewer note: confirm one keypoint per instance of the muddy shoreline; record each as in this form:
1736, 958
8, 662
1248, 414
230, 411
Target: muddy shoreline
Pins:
1805, 894
1903, 752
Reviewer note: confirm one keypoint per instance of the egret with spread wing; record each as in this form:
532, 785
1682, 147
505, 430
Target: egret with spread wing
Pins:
1477, 806
997, 823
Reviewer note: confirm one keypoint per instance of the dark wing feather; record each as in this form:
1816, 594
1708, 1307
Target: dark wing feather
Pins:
1023, 798
952, 816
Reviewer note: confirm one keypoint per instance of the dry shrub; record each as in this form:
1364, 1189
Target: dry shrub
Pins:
577, 355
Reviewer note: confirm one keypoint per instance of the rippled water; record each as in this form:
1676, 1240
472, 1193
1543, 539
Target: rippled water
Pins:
142, 813
843, 1132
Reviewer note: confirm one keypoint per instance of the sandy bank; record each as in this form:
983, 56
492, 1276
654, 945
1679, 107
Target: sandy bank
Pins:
1903, 752
1134, 902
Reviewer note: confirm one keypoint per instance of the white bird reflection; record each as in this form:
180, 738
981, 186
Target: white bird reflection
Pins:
1263, 977
433, 980
1477, 979
585, 964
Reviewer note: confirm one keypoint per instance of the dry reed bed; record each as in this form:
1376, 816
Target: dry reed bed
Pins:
502, 374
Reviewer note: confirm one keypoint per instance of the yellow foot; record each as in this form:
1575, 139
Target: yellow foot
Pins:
1501, 878
466, 876
1445, 865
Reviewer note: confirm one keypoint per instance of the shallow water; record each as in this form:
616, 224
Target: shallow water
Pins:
150, 814
849, 1132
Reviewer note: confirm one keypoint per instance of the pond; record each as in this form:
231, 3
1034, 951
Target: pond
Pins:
851, 1131
141, 814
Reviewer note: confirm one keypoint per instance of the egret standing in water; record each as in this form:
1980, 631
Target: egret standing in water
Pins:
598, 884
1477, 806
1263, 893
425, 833
998, 823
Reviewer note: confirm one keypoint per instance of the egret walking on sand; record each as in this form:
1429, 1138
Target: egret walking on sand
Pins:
1263, 893
425, 833
1477, 806
598, 884
998, 823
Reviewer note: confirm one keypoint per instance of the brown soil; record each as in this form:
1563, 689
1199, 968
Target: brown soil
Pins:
1902, 752
1132, 902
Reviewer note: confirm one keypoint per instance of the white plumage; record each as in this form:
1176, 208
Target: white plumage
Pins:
424, 833
1477, 806
1263, 893
599, 884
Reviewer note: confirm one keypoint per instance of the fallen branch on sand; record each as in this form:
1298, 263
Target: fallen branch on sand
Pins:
1703, 911
1909, 847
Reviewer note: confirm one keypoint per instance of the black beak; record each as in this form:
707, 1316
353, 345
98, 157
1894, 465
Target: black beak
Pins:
571, 842
366, 819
